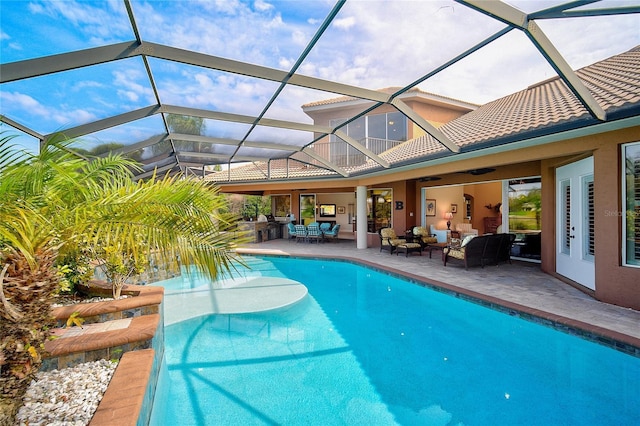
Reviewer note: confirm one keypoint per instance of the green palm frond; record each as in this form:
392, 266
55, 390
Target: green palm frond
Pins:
73, 201
178, 218
109, 170
28, 232
9, 155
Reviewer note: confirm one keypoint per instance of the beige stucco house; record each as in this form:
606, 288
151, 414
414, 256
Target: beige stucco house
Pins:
588, 171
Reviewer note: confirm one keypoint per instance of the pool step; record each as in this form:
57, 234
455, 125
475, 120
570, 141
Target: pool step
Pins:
108, 340
141, 300
111, 328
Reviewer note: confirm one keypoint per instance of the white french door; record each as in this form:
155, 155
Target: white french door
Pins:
575, 247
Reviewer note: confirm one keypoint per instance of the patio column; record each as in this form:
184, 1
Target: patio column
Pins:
361, 216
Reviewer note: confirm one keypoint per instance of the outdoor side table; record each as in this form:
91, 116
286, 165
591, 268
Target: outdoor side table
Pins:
435, 246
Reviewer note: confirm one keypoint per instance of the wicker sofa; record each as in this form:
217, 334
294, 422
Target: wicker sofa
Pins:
489, 249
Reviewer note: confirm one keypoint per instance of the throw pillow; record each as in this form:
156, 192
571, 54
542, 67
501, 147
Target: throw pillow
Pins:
466, 240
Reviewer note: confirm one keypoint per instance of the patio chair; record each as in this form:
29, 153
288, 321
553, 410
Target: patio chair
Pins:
313, 233
325, 226
389, 240
423, 237
333, 232
292, 231
301, 233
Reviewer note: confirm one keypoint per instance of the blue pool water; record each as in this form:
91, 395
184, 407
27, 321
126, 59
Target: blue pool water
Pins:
366, 348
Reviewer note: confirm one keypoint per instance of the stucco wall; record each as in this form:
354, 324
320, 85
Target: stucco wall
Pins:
340, 199
444, 197
615, 283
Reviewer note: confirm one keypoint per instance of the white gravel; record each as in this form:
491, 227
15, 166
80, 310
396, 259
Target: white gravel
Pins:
66, 397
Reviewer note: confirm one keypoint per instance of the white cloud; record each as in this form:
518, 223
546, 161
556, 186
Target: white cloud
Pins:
260, 35
129, 95
585, 41
286, 63
74, 117
22, 101
299, 37
13, 45
275, 22
262, 5
81, 85
59, 115
35, 8
129, 79
394, 44
98, 23
345, 23
230, 7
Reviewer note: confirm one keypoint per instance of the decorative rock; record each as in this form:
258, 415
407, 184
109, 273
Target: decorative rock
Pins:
66, 397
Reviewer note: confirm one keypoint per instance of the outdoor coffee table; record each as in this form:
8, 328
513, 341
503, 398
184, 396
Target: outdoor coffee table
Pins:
435, 246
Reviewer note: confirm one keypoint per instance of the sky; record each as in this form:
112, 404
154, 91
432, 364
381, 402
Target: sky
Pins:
370, 44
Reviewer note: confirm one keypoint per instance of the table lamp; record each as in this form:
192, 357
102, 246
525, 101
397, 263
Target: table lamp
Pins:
448, 216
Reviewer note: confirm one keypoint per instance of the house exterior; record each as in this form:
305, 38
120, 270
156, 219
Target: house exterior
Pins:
588, 171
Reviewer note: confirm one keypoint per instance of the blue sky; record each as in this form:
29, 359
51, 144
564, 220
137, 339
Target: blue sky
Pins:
372, 44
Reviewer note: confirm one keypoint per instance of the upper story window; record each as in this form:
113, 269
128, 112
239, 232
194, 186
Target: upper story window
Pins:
377, 133
391, 126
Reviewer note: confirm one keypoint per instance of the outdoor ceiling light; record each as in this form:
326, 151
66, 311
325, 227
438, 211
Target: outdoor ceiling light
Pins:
481, 171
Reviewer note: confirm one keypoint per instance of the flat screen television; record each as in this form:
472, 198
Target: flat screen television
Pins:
327, 210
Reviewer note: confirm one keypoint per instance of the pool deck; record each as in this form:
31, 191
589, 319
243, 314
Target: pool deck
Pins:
520, 286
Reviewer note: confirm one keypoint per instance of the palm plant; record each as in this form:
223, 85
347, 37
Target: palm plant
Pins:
56, 206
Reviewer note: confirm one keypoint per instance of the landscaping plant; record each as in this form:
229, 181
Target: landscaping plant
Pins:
60, 211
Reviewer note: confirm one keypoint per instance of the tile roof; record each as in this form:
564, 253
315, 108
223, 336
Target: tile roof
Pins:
544, 108
260, 171
387, 90
614, 83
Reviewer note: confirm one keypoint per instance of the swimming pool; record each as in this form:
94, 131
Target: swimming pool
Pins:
365, 347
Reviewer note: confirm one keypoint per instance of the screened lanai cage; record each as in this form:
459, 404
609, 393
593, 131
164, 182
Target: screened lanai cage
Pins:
202, 87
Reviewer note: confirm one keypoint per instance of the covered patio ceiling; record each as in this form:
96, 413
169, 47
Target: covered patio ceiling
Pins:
184, 86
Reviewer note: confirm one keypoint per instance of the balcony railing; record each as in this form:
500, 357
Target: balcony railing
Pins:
344, 155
